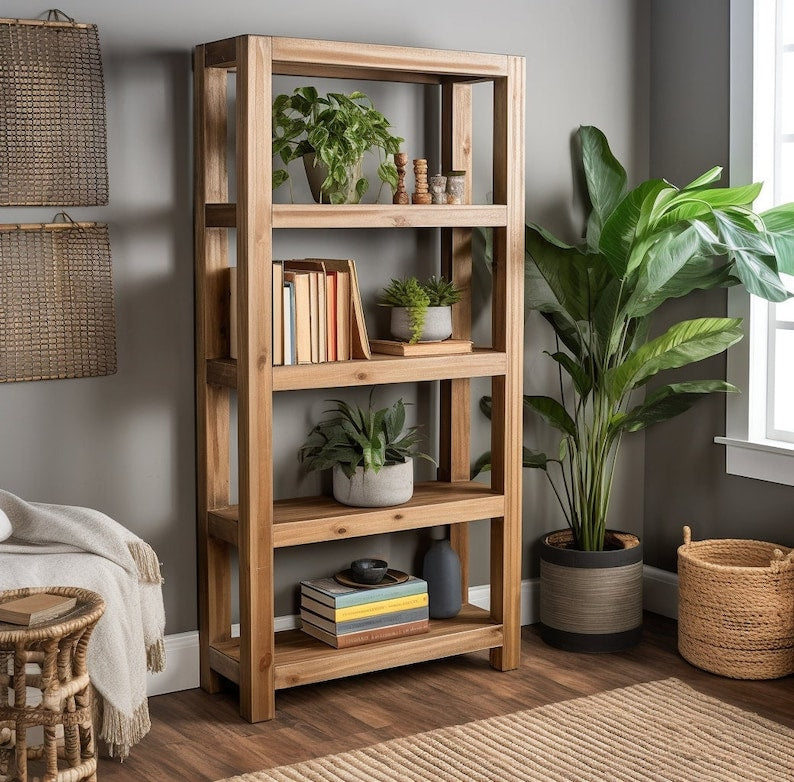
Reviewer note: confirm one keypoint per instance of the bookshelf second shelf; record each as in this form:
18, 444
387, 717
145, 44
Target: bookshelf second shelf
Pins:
316, 519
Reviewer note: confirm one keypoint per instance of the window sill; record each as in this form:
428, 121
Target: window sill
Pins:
764, 460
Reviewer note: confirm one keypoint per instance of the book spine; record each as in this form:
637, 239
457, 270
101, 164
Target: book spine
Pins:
369, 636
359, 596
390, 606
367, 622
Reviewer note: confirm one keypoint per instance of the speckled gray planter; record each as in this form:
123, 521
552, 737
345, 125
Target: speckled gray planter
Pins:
438, 324
392, 485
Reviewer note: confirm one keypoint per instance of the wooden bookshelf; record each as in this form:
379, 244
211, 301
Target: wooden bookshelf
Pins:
262, 661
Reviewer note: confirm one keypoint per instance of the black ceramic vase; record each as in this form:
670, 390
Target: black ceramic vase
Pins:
441, 570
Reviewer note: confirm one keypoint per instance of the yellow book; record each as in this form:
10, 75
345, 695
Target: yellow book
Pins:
362, 610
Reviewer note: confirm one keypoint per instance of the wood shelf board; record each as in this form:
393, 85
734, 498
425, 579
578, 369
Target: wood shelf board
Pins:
305, 520
380, 369
367, 216
301, 659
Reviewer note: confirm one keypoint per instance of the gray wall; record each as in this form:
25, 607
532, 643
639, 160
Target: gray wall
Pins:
125, 444
685, 479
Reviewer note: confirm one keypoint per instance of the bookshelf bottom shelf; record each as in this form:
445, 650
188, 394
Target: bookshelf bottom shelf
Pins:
301, 659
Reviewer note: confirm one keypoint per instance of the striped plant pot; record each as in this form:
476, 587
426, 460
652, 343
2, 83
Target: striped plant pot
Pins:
591, 601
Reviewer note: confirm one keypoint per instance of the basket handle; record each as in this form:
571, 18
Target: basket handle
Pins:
780, 562
687, 535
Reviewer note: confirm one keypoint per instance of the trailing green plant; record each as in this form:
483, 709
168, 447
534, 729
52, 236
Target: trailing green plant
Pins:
441, 292
417, 296
352, 437
641, 248
339, 129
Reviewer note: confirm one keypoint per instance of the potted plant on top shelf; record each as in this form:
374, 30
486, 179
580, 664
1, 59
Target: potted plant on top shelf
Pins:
641, 248
331, 133
421, 311
371, 453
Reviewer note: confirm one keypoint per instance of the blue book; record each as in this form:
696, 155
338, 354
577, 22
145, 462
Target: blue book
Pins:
367, 622
332, 593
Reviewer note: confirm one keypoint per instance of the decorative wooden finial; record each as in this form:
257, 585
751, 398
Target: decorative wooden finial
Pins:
421, 192
401, 195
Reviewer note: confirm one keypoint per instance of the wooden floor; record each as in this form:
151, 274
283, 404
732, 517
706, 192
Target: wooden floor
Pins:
200, 737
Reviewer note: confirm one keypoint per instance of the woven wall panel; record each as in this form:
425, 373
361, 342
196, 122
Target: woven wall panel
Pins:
57, 317
53, 137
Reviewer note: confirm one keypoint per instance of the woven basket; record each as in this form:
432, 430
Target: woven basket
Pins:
53, 137
736, 607
57, 317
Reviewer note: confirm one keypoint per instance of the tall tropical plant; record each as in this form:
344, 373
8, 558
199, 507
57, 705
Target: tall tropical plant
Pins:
641, 248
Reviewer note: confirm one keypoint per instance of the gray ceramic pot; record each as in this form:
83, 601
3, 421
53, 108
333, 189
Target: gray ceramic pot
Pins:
438, 324
391, 485
316, 174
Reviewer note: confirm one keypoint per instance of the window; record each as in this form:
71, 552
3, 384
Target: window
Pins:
760, 423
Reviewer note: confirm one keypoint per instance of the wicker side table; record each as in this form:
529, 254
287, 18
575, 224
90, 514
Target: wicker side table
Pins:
58, 649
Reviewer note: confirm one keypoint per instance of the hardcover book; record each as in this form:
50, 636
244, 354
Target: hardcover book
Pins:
36, 608
376, 608
368, 636
336, 595
365, 623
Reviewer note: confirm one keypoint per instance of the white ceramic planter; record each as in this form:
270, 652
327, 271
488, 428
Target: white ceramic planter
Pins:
317, 174
392, 485
438, 324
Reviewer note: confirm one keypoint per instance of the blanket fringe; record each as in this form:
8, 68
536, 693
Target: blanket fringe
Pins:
155, 656
146, 561
119, 732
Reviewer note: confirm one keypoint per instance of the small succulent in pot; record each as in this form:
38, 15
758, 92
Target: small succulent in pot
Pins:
336, 129
361, 445
421, 311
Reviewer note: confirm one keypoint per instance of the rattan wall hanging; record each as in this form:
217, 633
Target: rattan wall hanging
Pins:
53, 136
57, 317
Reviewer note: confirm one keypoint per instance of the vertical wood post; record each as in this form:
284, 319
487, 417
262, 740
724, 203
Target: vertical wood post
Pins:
255, 376
455, 395
212, 402
508, 303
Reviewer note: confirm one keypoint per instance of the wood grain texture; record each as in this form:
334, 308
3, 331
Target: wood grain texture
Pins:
254, 377
315, 519
212, 402
224, 215
405, 701
508, 295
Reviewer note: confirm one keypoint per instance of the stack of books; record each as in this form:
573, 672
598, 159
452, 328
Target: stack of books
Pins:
35, 609
344, 616
317, 312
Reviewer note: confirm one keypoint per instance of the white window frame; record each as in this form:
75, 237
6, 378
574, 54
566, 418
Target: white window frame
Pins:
750, 451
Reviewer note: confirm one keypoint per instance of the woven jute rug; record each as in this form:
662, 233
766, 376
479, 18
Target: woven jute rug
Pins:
662, 731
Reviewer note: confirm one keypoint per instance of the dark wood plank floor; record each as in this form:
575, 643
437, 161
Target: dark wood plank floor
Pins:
200, 737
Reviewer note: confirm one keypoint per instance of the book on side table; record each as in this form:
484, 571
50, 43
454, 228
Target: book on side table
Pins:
35, 609
345, 616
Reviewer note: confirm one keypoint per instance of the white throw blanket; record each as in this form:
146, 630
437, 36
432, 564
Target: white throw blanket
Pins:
61, 545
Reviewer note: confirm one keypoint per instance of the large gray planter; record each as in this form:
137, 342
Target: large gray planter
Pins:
316, 174
438, 324
393, 484
590, 601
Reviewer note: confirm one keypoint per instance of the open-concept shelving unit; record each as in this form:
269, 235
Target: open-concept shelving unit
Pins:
260, 660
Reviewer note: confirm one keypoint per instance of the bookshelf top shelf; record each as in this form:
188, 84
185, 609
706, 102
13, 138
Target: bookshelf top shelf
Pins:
345, 60
367, 216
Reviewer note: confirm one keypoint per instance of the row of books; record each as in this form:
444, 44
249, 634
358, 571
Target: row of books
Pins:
344, 616
317, 312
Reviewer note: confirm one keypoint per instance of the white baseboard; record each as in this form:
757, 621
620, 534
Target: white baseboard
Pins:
660, 590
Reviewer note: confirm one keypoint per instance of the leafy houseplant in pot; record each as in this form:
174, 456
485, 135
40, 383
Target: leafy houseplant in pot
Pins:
641, 248
371, 453
421, 312
331, 133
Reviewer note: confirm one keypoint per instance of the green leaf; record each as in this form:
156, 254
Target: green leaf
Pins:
719, 197
576, 371
279, 177
779, 223
669, 401
617, 236
712, 175
605, 178
682, 344
552, 412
